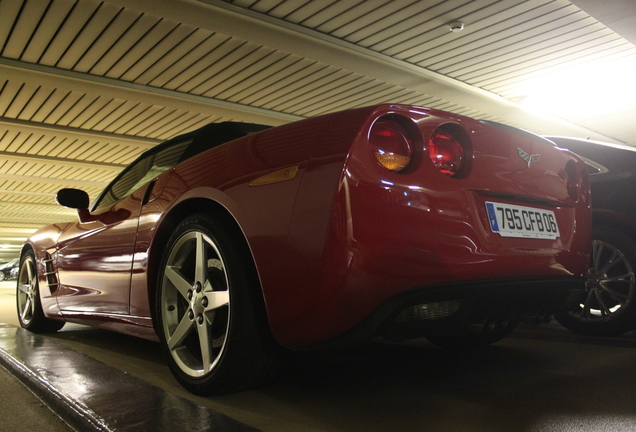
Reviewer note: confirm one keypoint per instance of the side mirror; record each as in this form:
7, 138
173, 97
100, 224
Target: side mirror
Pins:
76, 199
73, 198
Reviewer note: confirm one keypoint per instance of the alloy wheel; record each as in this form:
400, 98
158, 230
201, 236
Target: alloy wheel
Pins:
610, 284
195, 304
27, 290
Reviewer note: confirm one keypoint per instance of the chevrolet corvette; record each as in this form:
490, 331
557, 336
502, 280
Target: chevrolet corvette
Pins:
237, 242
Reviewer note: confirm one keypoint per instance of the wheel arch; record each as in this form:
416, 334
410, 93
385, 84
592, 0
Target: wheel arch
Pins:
23, 251
616, 221
25, 248
176, 215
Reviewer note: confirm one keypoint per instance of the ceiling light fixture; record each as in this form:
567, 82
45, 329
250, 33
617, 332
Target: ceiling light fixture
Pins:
456, 26
587, 91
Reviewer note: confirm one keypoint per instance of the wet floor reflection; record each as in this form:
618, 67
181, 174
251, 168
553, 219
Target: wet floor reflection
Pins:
104, 397
532, 381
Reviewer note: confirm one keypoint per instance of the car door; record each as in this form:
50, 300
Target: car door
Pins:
95, 256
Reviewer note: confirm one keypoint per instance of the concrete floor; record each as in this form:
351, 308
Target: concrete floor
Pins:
539, 379
26, 412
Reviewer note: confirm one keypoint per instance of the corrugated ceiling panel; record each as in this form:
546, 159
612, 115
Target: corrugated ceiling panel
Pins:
476, 55
493, 45
9, 11
92, 112
504, 43
227, 60
21, 99
243, 73
26, 208
140, 42
482, 24
52, 20
291, 69
122, 36
39, 191
348, 94
179, 43
121, 113
324, 79
58, 106
152, 51
185, 123
188, 63
124, 117
541, 61
50, 144
254, 77
78, 16
30, 102
422, 27
24, 28
309, 13
85, 49
202, 63
192, 61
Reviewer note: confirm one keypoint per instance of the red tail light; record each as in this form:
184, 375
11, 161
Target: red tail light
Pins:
446, 151
572, 183
391, 144
576, 184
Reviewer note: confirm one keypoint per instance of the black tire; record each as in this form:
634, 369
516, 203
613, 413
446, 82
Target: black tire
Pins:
210, 312
609, 306
28, 303
477, 335
2, 276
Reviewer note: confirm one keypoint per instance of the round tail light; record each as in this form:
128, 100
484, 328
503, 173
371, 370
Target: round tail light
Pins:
572, 182
391, 144
446, 151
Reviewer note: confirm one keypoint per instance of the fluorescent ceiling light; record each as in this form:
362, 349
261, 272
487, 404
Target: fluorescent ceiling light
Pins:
589, 90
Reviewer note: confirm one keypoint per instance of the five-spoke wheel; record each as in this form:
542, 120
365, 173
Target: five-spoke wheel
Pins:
30, 312
210, 323
195, 303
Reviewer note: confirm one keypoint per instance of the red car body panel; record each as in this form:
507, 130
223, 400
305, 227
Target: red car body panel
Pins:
338, 240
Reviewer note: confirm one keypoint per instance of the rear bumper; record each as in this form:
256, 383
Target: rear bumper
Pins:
386, 233
440, 309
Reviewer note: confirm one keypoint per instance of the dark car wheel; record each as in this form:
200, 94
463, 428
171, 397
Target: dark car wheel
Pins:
211, 327
2, 276
609, 307
30, 312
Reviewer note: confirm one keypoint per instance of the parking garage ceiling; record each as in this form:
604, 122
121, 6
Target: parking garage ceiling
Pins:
86, 85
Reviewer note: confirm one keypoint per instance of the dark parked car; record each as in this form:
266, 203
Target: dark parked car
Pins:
609, 307
234, 241
7, 270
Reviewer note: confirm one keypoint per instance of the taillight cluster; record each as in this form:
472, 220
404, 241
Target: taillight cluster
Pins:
575, 182
393, 147
391, 144
446, 151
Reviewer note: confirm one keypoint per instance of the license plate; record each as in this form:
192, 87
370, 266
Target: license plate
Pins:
518, 221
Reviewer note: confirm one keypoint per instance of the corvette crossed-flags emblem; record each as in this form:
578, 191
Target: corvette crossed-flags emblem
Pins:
528, 157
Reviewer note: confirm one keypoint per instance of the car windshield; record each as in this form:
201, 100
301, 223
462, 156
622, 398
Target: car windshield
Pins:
11, 263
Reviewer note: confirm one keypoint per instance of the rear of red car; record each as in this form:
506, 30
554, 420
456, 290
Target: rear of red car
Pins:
440, 221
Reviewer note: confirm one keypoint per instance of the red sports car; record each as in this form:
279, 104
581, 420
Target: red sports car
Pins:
235, 242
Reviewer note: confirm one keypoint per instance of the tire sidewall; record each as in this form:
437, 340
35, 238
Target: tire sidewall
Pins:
39, 323
625, 319
223, 377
